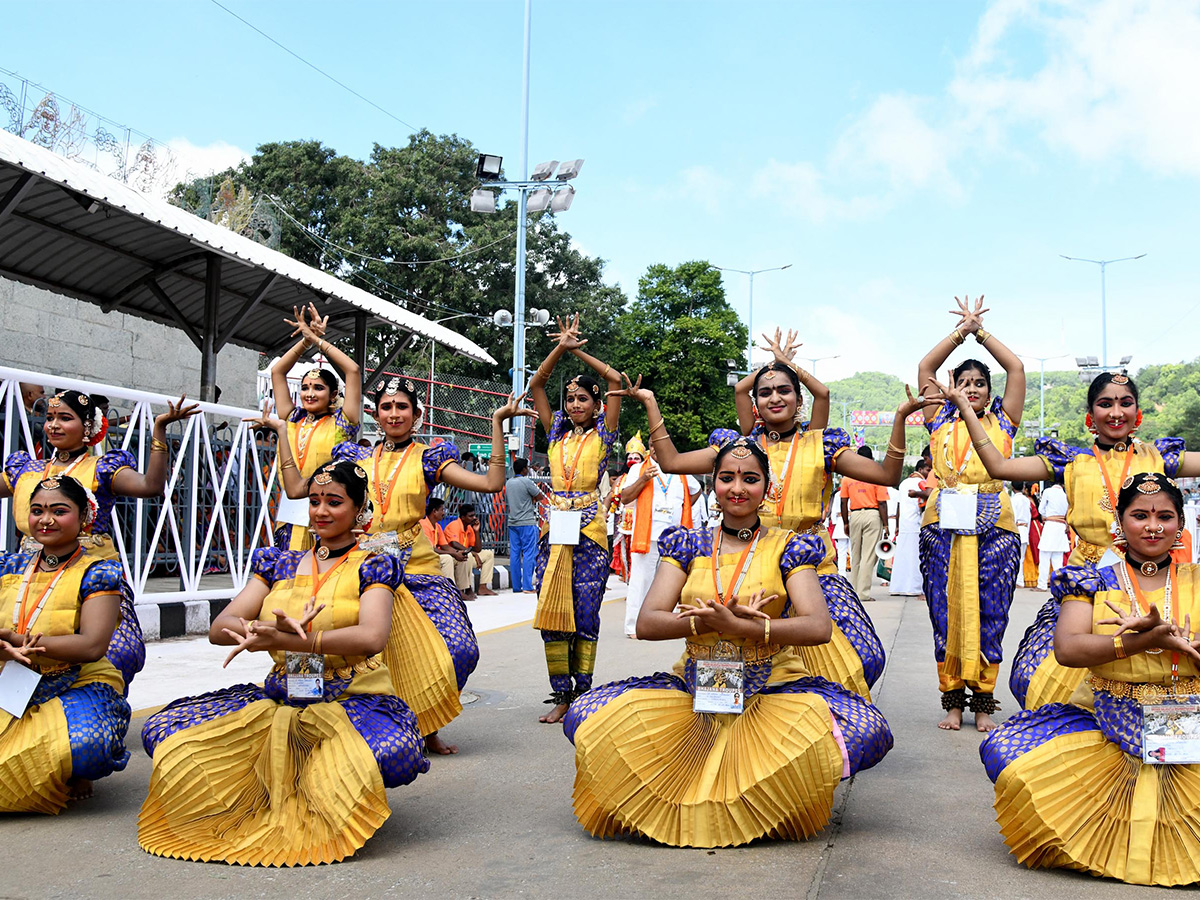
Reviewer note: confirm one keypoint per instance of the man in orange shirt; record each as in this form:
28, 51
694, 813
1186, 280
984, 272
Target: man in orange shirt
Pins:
864, 507
435, 511
463, 534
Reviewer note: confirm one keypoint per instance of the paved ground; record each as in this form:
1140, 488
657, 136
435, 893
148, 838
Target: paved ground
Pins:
496, 820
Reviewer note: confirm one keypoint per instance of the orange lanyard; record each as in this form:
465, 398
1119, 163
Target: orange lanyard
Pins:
304, 439
385, 496
788, 466
24, 617
319, 579
569, 473
738, 574
960, 458
1108, 485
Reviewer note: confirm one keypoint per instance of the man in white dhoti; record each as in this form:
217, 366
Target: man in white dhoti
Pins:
906, 564
1054, 546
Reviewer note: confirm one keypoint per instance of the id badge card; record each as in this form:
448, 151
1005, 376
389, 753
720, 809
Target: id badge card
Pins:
386, 542
17, 684
956, 512
565, 525
720, 681
305, 675
1171, 732
292, 511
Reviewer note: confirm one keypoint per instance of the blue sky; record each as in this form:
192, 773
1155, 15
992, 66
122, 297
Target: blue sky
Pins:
895, 153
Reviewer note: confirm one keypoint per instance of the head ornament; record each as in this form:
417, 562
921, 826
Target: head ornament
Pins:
635, 445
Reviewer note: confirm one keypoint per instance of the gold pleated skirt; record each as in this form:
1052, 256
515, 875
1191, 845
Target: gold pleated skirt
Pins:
837, 661
1079, 802
1052, 682
420, 664
267, 785
35, 760
647, 764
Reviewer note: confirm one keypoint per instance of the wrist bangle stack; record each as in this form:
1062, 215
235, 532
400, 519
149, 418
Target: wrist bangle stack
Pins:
655, 428
982, 336
1119, 646
979, 445
287, 464
956, 338
496, 461
157, 446
766, 631
317, 635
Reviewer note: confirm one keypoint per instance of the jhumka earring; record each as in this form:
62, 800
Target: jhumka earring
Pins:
1136, 425
1119, 540
1091, 426
1178, 545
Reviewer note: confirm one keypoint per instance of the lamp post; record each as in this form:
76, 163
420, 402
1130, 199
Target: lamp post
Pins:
1042, 361
1103, 264
750, 305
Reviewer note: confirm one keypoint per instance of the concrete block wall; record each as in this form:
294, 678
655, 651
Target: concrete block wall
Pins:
59, 335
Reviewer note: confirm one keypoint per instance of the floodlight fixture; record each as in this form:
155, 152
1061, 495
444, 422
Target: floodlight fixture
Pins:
1093, 360
1081, 361
488, 167
538, 200
483, 201
544, 170
1125, 360
539, 316
502, 318
569, 169
561, 201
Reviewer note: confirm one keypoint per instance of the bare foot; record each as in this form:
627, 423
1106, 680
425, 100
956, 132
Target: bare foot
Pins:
486, 592
555, 715
984, 723
953, 720
468, 595
434, 744
79, 788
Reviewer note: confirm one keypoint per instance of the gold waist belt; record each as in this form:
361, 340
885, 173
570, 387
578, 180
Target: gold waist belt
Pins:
1146, 693
1090, 552
370, 664
583, 502
752, 654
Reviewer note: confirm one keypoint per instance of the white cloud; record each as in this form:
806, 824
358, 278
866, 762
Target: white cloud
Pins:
638, 109
196, 161
800, 188
704, 186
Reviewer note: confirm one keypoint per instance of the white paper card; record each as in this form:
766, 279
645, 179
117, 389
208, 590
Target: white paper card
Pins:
1171, 732
305, 675
956, 512
565, 525
295, 512
719, 684
17, 684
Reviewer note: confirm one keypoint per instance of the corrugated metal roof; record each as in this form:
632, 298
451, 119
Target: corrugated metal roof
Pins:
133, 243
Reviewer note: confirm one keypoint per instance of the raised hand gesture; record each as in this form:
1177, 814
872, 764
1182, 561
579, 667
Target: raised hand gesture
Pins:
784, 351
285, 623
912, 404
971, 320
753, 607
313, 331
948, 391
633, 390
513, 408
266, 420
568, 333
253, 637
177, 412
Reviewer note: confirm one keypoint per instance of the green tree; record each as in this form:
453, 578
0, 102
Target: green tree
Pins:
679, 335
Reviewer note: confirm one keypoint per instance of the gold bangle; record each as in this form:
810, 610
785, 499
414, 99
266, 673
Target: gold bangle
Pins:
982, 336
692, 621
766, 631
956, 338
157, 446
1119, 646
607, 369
655, 428
317, 636
801, 375
496, 461
661, 437
287, 464
900, 450
979, 445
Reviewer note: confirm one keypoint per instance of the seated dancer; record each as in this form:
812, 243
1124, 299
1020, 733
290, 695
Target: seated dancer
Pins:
970, 549
432, 648
323, 419
1091, 477
293, 772
572, 566
64, 603
73, 424
651, 759
802, 462
1090, 785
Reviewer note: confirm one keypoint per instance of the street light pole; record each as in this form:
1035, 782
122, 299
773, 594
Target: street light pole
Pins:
1103, 264
518, 374
750, 308
1042, 361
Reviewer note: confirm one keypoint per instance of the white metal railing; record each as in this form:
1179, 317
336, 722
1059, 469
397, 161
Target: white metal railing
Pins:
231, 487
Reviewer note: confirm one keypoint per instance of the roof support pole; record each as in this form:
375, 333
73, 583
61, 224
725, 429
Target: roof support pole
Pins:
19, 189
208, 338
360, 340
369, 384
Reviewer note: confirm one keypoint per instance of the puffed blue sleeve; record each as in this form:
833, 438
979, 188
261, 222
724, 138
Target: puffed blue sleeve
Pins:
558, 425
344, 425
1172, 450
110, 464
101, 577
1006, 424
944, 415
434, 461
263, 563
1056, 455
350, 450
608, 437
803, 551
383, 570
835, 442
1077, 583
679, 546
14, 561
722, 436
16, 465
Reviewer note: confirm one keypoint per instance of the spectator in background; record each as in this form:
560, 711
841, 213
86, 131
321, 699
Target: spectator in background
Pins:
33, 398
906, 564
435, 511
865, 507
1054, 545
522, 497
468, 461
463, 534
1024, 512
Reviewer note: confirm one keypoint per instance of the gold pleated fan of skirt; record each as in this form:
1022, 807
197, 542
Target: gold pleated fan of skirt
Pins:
35, 760
420, 664
645, 763
268, 785
839, 662
1079, 802
1052, 682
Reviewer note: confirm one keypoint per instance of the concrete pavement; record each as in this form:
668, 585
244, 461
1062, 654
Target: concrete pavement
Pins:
496, 820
